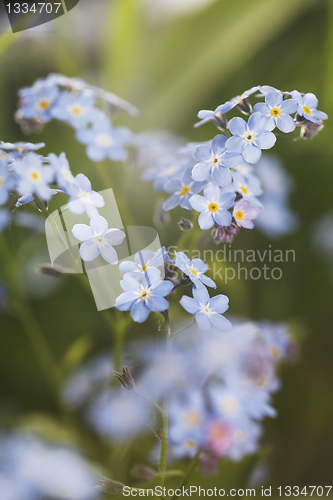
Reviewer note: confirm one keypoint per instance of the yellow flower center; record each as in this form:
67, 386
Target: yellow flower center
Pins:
306, 110
190, 443
239, 215
193, 271
76, 110
144, 294
144, 268
244, 190
44, 104
213, 207
1, 181
275, 112
185, 190
261, 382
34, 175
275, 351
193, 419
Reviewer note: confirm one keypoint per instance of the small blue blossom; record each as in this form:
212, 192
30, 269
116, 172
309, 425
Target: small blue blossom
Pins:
33, 176
207, 311
250, 138
140, 299
63, 175
216, 116
213, 206
195, 269
143, 260
215, 161
76, 110
19, 149
98, 239
307, 107
37, 101
181, 190
166, 169
278, 111
83, 199
104, 141
7, 181
249, 187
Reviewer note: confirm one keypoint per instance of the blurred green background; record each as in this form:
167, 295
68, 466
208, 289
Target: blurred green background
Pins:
170, 67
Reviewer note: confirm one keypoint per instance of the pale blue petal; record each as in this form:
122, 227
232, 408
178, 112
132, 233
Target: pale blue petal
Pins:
289, 106
89, 250
219, 303
237, 126
222, 217
139, 312
198, 202
212, 192
99, 225
285, 123
127, 267
201, 294
202, 153
261, 107
310, 100
128, 284
157, 304
222, 176
171, 202
205, 220
96, 153
202, 321
190, 305
109, 254
220, 322
274, 99
251, 153
162, 288
227, 199
82, 232
143, 257
201, 171
207, 281
235, 144
125, 301
266, 140
257, 122
172, 186
218, 144
114, 236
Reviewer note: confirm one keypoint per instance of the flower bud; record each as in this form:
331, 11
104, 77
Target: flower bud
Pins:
224, 233
143, 472
185, 224
125, 378
109, 486
50, 270
245, 106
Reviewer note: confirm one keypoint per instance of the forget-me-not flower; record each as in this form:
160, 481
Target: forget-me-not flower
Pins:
76, 110
83, 199
195, 269
33, 176
215, 161
143, 260
277, 111
7, 181
36, 102
207, 311
250, 138
213, 206
307, 107
141, 298
243, 214
104, 141
63, 175
181, 190
98, 239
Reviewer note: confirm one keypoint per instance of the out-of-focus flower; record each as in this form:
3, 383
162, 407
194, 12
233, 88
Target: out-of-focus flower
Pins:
143, 260
7, 181
36, 102
62, 172
77, 110
33, 176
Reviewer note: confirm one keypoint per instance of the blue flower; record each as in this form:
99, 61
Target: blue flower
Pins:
7, 181
307, 107
250, 138
207, 311
62, 171
140, 299
278, 111
83, 199
215, 161
143, 260
37, 101
213, 206
195, 269
165, 170
98, 239
34, 177
19, 149
182, 189
104, 141
76, 110
249, 188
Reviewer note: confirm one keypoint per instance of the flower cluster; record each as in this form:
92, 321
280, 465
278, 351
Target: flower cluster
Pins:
151, 278
32, 469
217, 390
73, 101
224, 167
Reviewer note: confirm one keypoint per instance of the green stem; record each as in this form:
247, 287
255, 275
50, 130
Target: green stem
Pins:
28, 318
168, 330
189, 472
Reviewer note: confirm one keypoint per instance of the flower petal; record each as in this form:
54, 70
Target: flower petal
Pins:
82, 232
99, 225
109, 254
220, 322
139, 311
89, 250
237, 126
190, 305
